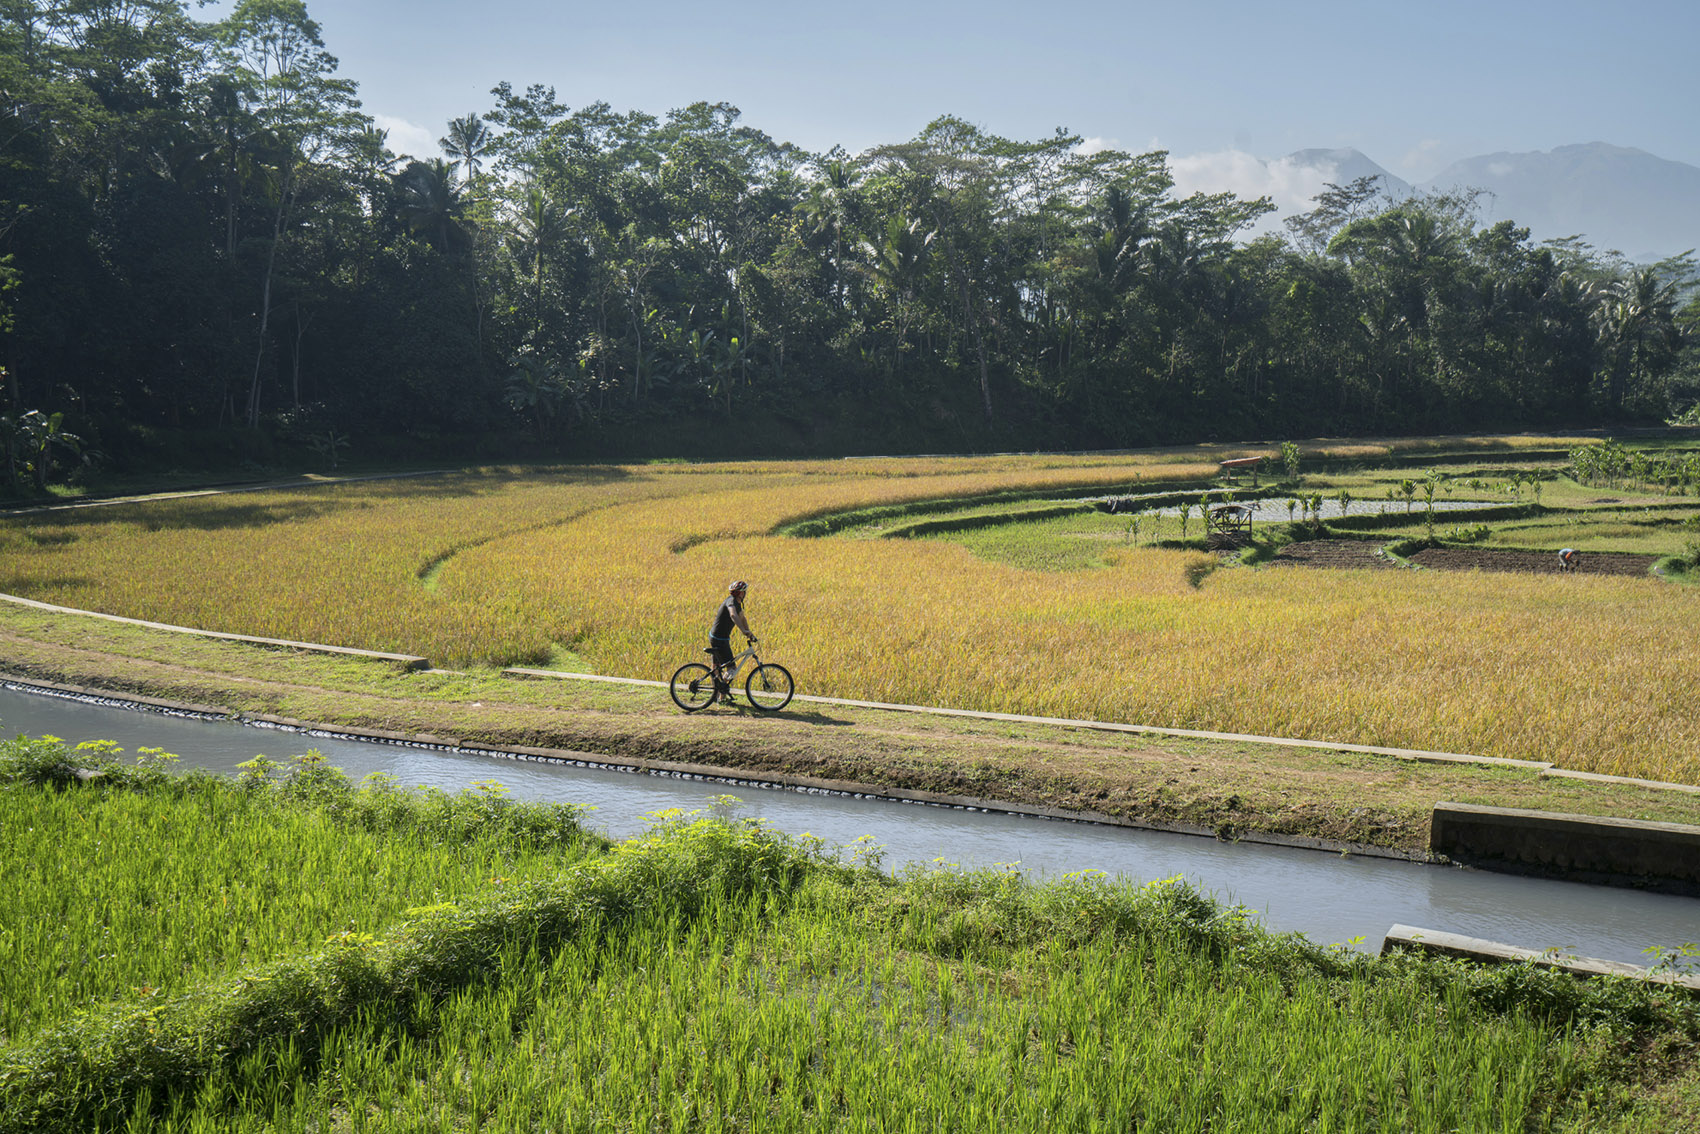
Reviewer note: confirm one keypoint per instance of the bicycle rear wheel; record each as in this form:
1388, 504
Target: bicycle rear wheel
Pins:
692, 687
769, 687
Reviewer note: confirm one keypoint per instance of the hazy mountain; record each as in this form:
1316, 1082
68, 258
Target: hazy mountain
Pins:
1614, 197
1642, 205
1347, 166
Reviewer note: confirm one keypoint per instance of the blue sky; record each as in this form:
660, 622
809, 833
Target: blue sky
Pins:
1218, 83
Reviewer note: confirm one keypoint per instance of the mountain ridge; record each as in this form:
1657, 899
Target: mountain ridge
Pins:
1616, 198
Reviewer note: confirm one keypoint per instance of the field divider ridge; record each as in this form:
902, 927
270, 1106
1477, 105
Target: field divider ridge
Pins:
1436, 942
405, 661
414, 662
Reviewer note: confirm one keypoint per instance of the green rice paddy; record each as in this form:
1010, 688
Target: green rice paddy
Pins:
301, 955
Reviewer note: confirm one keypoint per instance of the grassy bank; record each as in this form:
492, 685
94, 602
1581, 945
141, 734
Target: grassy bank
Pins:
719, 975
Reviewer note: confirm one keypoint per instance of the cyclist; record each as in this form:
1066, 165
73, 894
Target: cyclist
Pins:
730, 614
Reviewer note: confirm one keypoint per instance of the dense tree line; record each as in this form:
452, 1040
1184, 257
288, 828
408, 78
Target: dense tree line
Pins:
202, 235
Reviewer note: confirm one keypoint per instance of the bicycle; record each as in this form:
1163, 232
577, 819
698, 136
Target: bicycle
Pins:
768, 685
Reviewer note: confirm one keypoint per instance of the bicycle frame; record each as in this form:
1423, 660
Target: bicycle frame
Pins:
733, 667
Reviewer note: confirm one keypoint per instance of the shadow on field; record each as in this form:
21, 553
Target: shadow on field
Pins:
814, 717
239, 508
480, 482
27, 584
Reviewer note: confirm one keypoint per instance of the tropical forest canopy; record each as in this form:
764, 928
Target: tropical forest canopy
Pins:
209, 251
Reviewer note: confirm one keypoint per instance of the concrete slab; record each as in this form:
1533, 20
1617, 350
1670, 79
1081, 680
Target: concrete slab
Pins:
1440, 943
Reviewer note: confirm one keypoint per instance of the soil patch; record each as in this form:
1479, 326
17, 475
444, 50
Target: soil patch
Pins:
1534, 562
1332, 553
1367, 554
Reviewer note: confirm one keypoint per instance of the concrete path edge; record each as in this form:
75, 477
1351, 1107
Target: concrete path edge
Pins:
1440, 943
1541, 767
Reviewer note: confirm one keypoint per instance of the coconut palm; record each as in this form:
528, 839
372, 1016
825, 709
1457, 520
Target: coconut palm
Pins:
466, 143
373, 160
831, 209
540, 224
431, 204
1638, 330
898, 265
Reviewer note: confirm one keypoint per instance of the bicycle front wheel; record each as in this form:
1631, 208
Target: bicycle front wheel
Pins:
692, 687
769, 687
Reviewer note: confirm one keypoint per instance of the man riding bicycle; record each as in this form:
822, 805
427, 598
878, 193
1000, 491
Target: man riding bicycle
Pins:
730, 614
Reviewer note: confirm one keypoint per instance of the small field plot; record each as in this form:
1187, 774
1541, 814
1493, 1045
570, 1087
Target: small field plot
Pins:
1069, 543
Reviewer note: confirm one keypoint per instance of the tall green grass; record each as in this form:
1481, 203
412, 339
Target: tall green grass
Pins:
268, 1026
743, 1021
145, 884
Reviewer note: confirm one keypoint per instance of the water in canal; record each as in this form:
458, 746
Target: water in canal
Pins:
1329, 897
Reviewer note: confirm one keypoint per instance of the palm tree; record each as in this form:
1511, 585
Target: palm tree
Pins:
831, 208
1638, 330
467, 141
373, 161
1125, 226
898, 264
431, 203
1567, 315
232, 151
541, 224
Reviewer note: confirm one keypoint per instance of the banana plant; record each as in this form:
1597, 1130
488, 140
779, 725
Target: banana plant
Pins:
36, 436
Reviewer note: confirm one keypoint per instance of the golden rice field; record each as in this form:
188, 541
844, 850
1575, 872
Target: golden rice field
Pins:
623, 566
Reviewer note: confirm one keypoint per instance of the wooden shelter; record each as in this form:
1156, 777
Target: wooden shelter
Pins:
1228, 525
1229, 469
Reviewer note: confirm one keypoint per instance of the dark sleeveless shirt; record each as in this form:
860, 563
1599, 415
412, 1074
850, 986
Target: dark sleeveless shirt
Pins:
723, 618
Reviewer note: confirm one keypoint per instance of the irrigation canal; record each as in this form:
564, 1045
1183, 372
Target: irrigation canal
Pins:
1329, 897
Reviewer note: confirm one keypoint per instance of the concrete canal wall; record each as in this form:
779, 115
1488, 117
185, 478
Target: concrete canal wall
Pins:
1663, 856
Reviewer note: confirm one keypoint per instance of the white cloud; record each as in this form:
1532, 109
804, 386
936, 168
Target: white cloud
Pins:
1425, 155
406, 138
1089, 146
1289, 185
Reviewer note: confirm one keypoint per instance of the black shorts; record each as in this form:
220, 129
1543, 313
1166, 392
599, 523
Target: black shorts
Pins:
722, 649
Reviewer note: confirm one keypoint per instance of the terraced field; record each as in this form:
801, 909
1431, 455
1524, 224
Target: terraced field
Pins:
617, 569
